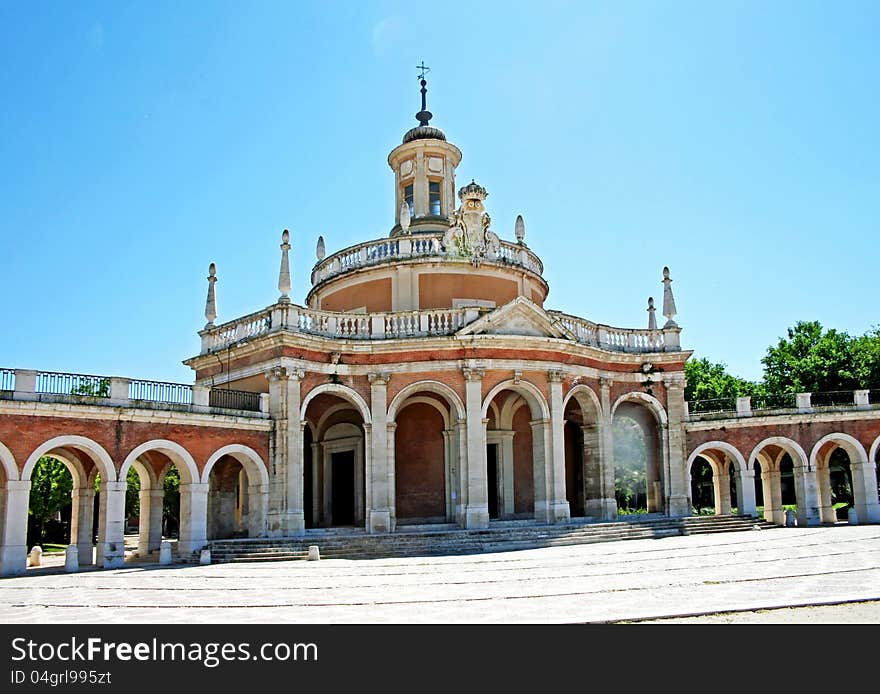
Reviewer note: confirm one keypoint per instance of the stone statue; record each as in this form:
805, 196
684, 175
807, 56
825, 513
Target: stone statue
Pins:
469, 234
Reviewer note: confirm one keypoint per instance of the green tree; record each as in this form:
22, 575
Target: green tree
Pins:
866, 359
707, 381
99, 389
51, 486
171, 503
812, 359
630, 464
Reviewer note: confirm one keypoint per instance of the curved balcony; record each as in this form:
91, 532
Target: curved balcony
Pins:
391, 325
415, 246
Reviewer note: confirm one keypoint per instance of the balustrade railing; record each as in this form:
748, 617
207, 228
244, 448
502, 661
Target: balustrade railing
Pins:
712, 405
373, 252
234, 399
616, 339
56, 383
7, 379
835, 398
157, 391
775, 401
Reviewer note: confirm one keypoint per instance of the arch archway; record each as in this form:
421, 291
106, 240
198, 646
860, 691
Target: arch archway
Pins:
424, 436
787, 480
156, 462
845, 477
238, 487
335, 457
732, 480
589, 480
638, 423
86, 459
519, 483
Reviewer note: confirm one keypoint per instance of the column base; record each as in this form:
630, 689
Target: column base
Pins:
379, 521
679, 506
601, 509
294, 524
13, 560
552, 512
86, 554
868, 513
476, 517
111, 555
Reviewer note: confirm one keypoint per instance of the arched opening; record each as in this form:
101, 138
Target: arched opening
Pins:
845, 479
782, 468
423, 447
156, 473
50, 506
587, 483
237, 494
702, 487
518, 428
336, 456
228, 506
638, 478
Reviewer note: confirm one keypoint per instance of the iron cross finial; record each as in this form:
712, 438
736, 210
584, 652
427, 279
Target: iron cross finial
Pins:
424, 68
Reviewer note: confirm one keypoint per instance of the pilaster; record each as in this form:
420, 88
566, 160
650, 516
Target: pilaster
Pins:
678, 504
379, 508
557, 503
476, 511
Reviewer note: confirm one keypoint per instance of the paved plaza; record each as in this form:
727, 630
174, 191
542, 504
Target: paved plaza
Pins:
603, 582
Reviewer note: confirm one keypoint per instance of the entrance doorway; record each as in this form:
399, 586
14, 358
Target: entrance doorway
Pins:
342, 488
492, 479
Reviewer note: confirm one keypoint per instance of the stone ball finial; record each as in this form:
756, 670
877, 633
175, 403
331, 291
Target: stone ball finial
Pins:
211, 300
519, 229
212, 271
321, 249
285, 236
665, 273
405, 216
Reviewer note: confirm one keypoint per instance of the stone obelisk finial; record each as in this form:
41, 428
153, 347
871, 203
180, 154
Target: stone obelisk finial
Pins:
519, 229
284, 274
652, 319
405, 217
669, 310
320, 249
211, 303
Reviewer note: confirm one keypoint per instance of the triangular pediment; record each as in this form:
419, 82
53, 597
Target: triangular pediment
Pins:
518, 317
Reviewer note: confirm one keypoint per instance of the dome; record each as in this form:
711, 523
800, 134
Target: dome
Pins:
424, 132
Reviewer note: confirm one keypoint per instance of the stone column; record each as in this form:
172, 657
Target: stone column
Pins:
823, 483
678, 504
150, 526
111, 524
294, 522
476, 512
771, 482
745, 493
506, 460
558, 509
379, 510
193, 518
391, 429
864, 479
460, 488
13, 540
608, 499
82, 515
258, 501
807, 496
277, 377
721, 485
317, 497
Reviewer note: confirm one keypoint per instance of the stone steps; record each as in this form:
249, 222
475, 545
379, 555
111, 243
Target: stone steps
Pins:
351, 543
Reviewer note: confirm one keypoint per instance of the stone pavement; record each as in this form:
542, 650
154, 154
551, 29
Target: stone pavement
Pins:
619, 581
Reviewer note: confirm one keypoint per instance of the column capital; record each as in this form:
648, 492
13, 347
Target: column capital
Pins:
472, 373
556, 376
379, 378
283, 373
605, 382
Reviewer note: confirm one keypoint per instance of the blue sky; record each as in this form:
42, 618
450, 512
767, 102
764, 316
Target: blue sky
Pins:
735, 142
